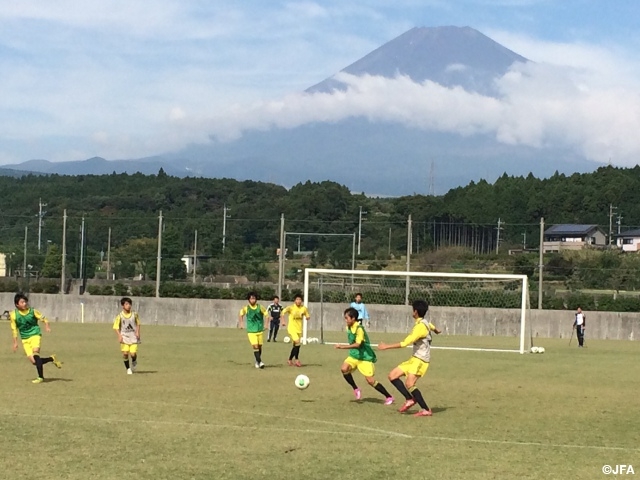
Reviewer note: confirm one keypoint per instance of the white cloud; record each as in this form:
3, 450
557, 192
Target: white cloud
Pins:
541, 106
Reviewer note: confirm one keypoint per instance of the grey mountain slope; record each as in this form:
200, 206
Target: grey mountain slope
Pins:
450, 56
99, 166
385, 159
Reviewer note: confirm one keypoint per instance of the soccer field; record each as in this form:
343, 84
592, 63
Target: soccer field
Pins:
198, 409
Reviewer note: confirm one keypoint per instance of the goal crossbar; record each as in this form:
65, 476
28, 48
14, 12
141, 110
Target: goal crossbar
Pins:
400, 274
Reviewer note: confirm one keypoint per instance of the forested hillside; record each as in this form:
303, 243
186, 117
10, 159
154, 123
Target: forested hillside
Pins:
130, 204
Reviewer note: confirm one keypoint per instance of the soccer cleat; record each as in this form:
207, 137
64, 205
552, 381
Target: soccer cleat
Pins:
407, 405
129, 371
298, 364
357, 393
56, 362
388, 401
423, 413
38, 380
261, 365
257, 365
274, 340
290, 363
268, 339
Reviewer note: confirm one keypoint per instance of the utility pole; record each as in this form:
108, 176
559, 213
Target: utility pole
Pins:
619, 222
524, 240
611, 211
281, 257
24, 255
195, 255
360, 228
540, 263
63, 271
159, 259
498, 236
109, 256
389, 253
41, 214
224, 226
408, 267
81, 275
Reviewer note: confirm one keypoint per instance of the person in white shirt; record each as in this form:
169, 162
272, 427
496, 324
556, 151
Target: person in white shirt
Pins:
580, 324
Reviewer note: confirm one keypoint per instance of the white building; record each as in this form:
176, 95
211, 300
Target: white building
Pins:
629, 241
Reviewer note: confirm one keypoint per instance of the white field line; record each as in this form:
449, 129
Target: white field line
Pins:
529, 444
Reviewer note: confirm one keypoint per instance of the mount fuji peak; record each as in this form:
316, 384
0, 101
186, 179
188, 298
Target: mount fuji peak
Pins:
449, 56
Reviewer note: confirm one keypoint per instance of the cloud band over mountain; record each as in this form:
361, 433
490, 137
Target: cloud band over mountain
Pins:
538, 106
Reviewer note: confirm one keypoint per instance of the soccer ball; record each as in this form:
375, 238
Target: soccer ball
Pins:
535, 350
302, 382
287, 339
540, 349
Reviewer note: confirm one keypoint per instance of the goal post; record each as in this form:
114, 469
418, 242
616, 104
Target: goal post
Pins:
463, 305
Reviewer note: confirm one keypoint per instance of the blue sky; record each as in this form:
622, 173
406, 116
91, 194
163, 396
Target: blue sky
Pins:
123, 79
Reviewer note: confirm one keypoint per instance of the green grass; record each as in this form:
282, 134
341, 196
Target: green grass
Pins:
197, 409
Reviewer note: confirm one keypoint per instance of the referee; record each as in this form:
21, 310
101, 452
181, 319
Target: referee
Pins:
579, 324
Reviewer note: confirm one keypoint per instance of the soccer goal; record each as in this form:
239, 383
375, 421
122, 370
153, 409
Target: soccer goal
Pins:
484, 312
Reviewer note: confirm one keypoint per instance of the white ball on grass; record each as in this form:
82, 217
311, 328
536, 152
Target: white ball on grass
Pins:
534, 350
540, 349
302, 382
286, 339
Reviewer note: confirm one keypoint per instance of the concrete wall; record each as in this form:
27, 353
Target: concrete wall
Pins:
385, 318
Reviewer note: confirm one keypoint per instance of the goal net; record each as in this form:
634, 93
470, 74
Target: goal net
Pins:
473, 311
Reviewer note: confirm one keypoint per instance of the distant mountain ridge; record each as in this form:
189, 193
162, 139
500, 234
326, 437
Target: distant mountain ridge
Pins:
380, 158
99, 166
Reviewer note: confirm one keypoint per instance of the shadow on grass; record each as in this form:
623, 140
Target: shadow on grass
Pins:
49, 380
440, 409
145, 372
379, 401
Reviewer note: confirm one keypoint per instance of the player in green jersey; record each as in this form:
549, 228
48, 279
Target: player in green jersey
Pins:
24, 321
361, 356
256, 316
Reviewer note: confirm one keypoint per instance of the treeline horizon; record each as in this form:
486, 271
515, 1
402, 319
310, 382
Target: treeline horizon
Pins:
129, 204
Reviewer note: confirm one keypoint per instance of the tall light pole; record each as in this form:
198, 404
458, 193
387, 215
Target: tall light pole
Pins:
41, 214
224, 226
159, 259
195, 255
63, 272
82, 253
409, 249
360, 227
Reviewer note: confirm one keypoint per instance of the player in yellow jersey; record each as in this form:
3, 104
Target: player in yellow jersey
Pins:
417, 365
127, 327
296, 314
256, 316
24, 321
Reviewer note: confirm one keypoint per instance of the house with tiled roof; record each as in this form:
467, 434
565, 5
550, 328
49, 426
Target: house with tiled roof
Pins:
573, 237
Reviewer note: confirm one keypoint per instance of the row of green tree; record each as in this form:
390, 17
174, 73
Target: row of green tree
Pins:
129, 205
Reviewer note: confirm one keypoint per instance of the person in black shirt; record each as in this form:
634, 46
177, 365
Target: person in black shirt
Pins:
274, 310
